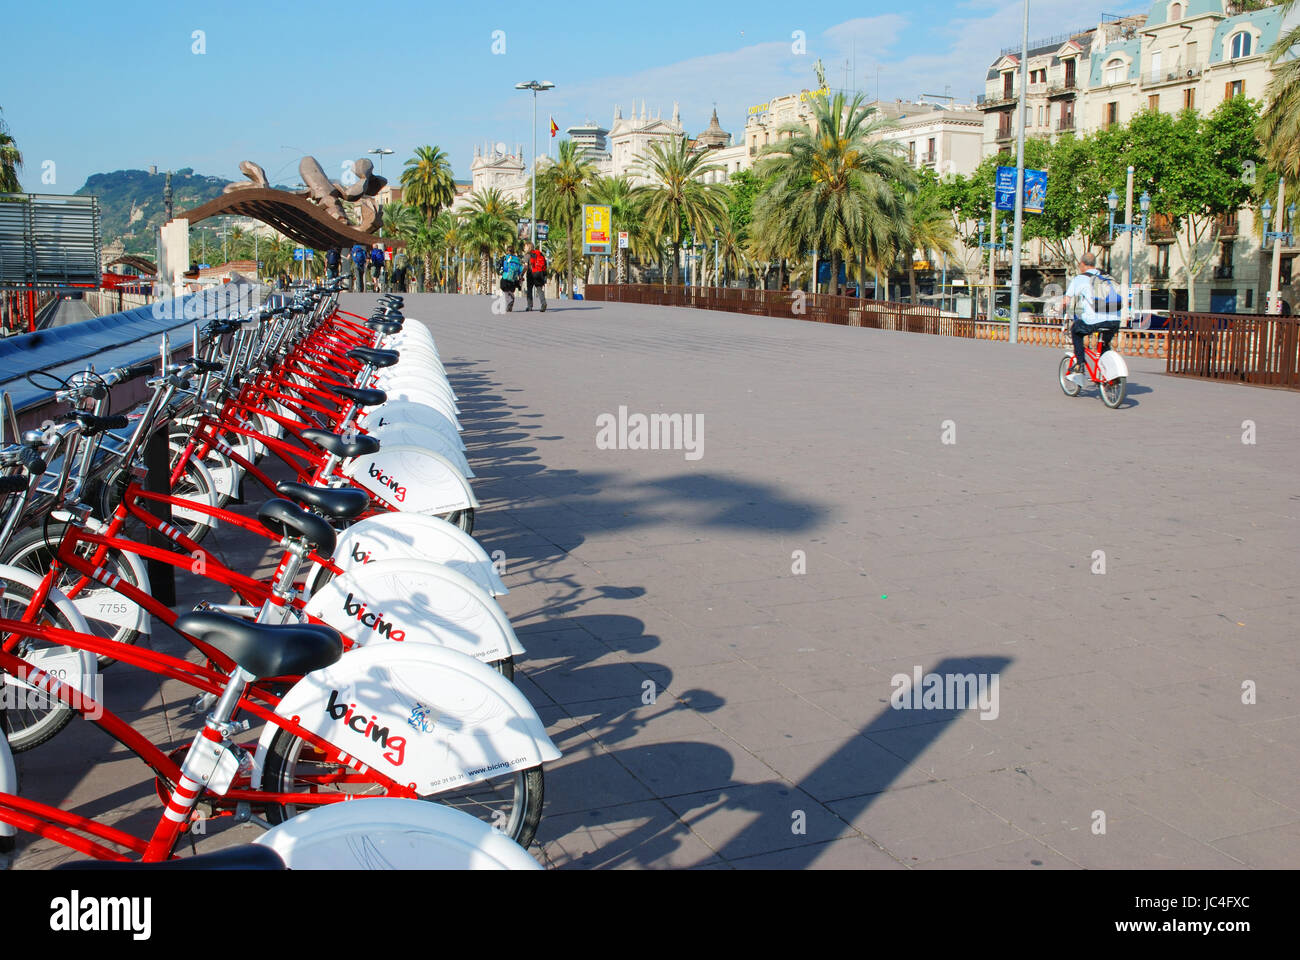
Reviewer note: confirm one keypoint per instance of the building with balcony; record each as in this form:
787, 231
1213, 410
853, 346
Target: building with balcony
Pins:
947, 140
1057, 67
1180, 54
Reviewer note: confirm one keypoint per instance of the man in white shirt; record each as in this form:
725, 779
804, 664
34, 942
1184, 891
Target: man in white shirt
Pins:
1080, 303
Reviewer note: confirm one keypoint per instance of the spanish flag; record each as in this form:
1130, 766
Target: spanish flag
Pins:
555, 128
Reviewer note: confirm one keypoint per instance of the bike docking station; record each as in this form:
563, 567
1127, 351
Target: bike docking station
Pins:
374, 664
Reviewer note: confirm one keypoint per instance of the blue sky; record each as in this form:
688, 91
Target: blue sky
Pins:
97, 87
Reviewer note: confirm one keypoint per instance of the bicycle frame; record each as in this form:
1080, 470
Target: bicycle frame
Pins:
55, 824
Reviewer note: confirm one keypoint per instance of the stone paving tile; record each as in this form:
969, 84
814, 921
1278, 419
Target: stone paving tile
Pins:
1272, 773
1038, 798
1269, 849
1024, 854
739, 822
1202, 804
732, 682
788, 719
676, 767
850, 853
589, 778
843, 767
1140, 842
1099, 751
953, 824
645, 834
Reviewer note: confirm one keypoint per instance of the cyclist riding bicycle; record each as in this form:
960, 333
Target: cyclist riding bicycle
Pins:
1093, 303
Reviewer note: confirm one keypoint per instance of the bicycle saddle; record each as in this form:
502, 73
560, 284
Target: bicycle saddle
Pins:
357, 446
361, 396
376, 358
287, 519
341, 503
393, 299
246, 856
385, 327
265, 649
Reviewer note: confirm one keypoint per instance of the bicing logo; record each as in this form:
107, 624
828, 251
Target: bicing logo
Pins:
394, 747
375, 621
390, 482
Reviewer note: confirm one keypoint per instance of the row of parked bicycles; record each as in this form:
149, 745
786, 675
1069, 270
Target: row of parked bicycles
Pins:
373, 665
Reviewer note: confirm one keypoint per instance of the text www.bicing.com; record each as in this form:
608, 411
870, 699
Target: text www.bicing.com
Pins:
1203, 927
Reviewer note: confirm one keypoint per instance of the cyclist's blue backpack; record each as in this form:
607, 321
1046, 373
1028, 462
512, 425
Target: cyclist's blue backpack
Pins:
511, 268
1106, 299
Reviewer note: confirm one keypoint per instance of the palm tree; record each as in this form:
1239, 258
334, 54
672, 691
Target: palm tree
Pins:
677, 199
929, 228
10, 160
451, 233
427, 182
1279, 127
831, 185
561, 190
277, 255
625, 206
401, 221
489, 227
731, 248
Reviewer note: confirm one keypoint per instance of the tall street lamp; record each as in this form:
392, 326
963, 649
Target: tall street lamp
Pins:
382, 152
1278, 237
535, 85
1144, 204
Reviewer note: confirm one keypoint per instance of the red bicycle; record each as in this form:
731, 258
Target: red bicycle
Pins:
1108, 370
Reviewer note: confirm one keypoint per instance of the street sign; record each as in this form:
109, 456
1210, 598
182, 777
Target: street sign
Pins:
622, 239
1035, 189
596, 226
297, 253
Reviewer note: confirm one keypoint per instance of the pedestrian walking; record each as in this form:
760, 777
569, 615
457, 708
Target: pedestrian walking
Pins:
535, 264
512, 270
358, 268
331, 263
377, 265
399, 270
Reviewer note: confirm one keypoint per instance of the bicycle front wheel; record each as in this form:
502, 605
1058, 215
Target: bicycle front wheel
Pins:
511, 802
1068, 386
109, 614
27, 717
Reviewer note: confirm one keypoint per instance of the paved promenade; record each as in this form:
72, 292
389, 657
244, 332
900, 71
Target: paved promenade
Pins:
713, 632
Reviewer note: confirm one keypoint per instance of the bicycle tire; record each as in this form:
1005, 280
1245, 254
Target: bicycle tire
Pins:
35, 548
197, 485
30, 726
1114, 391
1068, 387
286, 770
464, 519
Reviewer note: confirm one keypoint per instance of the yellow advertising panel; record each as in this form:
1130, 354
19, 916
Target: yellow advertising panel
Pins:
597, 227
